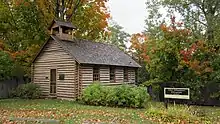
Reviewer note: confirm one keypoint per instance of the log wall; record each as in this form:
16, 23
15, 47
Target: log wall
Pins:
53, 56
86, 75
77, 76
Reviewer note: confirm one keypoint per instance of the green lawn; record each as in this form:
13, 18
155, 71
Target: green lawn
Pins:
73, 112
68, 112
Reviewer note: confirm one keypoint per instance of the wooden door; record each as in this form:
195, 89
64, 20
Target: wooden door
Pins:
53, 79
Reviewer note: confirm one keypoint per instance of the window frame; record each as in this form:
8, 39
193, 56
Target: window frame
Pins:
125, 74
112, 74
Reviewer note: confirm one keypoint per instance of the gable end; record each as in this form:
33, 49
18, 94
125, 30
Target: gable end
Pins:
45, 44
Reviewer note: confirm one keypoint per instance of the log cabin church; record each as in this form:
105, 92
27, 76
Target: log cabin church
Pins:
64, 66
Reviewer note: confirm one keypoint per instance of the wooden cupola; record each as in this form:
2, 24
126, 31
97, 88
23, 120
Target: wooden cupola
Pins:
63, 30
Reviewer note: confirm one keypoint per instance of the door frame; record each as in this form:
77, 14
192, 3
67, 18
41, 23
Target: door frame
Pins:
55, 81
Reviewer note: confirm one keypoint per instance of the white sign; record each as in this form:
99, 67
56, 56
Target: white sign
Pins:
177, 93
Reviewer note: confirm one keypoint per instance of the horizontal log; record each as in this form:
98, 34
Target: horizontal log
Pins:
53, 58
66, 70
69, 91
66, 83
86, 72
105, 78
61, 65
67, 73
44, 86
52, 52
66, 94
53, 49
66, 86
85, 67
89, 81
54, 61
105, 81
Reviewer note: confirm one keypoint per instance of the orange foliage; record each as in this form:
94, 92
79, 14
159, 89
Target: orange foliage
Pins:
187, 49
1, 45
91, 19
21, 2
139, 44
200, 67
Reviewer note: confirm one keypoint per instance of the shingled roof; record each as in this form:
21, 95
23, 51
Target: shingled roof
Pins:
88, 52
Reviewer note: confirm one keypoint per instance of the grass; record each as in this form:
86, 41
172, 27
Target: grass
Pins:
68, 112
73, 112
184, 114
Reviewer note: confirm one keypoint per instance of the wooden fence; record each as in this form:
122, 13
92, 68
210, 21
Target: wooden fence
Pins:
7, 86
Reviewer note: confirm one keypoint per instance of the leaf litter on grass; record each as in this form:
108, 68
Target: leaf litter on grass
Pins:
67, 112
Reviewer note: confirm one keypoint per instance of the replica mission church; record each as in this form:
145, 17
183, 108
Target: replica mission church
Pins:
64, 66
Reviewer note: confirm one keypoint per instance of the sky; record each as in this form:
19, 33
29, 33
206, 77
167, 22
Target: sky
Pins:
129, 14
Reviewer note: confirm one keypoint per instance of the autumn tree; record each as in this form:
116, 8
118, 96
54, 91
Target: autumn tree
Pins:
23, 24
89, 16
177, 56
137, 51
201, 16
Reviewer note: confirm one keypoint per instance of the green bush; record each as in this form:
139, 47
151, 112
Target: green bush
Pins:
94, 94
123, 96
27, 91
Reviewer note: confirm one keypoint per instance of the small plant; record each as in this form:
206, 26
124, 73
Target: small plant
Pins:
175, 114
27, 91
124, 96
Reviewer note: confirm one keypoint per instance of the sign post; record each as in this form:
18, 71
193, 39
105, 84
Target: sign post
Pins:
176, 93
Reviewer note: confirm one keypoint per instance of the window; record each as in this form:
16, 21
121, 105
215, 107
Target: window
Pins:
125, 74
66, 30
112, 74
61, 76
96, 75
55, 30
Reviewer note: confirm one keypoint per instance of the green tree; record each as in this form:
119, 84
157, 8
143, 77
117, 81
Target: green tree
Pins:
20, 26
117, 36
201, 16
6, 66
154, 18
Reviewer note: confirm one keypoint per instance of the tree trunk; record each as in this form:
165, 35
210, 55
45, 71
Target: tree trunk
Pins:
62, 10
57, 8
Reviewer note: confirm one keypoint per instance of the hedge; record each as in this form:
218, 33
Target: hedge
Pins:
121, 96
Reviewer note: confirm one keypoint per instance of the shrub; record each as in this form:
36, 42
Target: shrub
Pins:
93, 95
123, 96
27, 91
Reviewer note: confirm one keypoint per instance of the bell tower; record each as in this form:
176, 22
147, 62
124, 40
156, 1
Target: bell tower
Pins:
63, 30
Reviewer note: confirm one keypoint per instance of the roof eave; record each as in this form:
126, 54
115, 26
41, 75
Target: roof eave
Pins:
132, 66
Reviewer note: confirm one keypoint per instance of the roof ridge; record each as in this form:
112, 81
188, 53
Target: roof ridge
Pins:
105, 43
